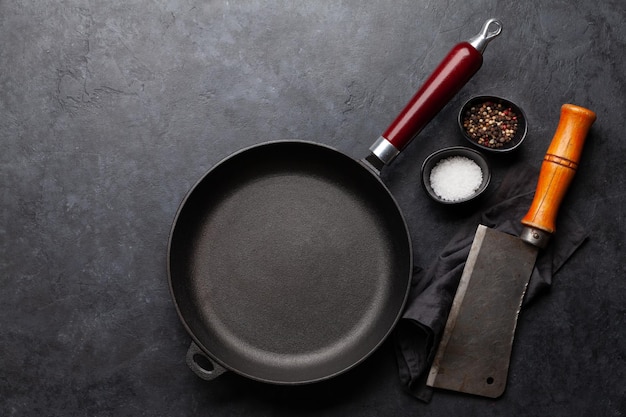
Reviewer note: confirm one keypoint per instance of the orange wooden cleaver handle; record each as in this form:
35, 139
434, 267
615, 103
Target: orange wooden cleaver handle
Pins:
559, 166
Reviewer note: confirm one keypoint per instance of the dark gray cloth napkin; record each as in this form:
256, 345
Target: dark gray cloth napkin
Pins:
432, 290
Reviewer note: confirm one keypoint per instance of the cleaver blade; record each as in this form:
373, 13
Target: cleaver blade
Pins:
492, 285
475, 349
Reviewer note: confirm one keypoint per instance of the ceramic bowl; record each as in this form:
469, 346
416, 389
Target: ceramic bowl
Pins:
456, 179
489, 132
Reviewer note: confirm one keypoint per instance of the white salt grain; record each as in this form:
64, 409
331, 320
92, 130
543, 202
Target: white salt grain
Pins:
455, 178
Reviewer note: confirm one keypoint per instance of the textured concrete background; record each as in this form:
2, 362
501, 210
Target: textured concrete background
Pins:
111, 110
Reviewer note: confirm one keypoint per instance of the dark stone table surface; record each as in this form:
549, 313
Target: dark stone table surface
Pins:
111, 110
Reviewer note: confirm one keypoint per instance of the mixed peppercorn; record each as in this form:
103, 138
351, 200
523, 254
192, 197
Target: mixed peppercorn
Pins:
490, 124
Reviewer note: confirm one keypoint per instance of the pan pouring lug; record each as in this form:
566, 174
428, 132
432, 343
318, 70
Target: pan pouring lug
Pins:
192, 359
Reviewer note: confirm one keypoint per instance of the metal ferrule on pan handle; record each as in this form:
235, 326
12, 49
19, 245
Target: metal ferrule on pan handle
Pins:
384, 150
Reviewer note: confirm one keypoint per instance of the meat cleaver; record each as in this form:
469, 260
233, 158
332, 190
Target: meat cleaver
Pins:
475, 349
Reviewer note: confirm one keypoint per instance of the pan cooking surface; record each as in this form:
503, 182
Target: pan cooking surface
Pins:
289, 262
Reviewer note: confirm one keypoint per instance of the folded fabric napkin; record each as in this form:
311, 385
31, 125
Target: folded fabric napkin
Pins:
418, 332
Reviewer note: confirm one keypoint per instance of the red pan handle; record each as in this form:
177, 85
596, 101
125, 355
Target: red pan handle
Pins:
449, 77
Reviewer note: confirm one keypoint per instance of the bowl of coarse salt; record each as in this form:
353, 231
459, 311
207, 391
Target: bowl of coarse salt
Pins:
455, 175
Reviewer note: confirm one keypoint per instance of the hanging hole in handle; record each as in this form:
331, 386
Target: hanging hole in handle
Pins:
490, 380
490, 29
493, 27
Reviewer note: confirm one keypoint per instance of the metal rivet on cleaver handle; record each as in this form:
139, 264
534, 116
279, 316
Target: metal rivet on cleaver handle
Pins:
475, 349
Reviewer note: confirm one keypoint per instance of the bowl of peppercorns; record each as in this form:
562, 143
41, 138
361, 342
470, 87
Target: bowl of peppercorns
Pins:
493, 123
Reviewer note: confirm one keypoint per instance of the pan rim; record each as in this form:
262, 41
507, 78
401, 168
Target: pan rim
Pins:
294, 381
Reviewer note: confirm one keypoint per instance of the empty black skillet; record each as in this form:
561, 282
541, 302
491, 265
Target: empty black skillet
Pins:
290, 262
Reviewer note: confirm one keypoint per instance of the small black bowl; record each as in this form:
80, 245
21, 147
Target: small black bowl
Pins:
493, 143
444, 154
